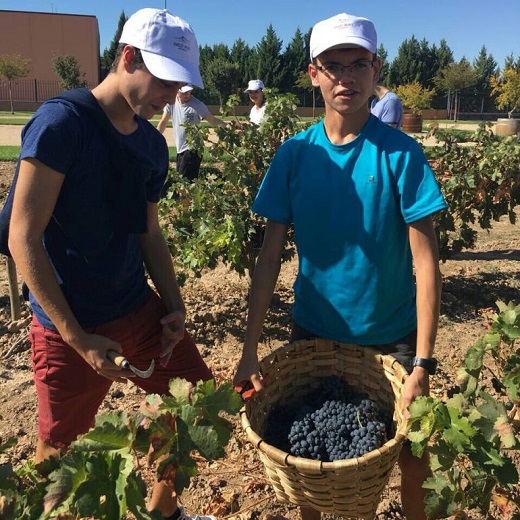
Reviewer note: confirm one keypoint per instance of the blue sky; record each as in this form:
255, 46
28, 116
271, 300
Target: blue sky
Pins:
465, 24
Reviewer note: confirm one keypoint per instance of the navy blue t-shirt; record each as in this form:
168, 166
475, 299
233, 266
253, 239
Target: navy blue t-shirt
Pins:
100, 270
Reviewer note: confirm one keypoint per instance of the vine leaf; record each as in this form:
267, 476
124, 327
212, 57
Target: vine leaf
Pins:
111, 432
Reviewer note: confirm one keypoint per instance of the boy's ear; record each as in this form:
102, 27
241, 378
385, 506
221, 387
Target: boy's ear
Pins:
377, 70
129, 54
313, 73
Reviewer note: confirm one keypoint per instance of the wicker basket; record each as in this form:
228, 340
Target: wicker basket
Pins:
351, 487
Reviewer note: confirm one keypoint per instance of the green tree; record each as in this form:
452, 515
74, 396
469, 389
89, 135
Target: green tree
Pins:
109, 53
222, 77
406, 67
438, 58
417, 61
13, 67
455, 78
444, 55
485, 67
210, 59
384, 73
269, 61
414, 96
511, 63
507, 89
428, 65
304, 82
294, 62
68, 70
240, 55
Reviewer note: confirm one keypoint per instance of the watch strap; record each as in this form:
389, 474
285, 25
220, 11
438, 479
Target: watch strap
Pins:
429, 364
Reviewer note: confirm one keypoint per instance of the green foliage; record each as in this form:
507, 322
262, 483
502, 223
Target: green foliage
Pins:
294, 61
414, 96
485, 67
210, 220
469, 437
481, 183
417, 61
269, 59
222, 77
454, 78
97, 478
68, 70
507, 90
13, 67
384, 72
109, 53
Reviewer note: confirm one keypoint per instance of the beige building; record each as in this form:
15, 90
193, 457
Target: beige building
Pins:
41, 37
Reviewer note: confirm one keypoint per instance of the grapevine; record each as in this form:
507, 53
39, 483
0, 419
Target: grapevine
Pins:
471, 436
99, 478
480, 183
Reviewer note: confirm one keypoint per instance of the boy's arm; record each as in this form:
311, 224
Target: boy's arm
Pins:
215, 121
262, 287
159, 264
425, 253
161, 126
37, 191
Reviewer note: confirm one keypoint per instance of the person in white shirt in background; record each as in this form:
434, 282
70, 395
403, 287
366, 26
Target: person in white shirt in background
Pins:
256, 95
187, 109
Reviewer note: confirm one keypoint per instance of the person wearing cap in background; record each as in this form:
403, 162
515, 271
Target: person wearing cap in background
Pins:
82, 249
256, 95
360, 195
386, 106
187, 109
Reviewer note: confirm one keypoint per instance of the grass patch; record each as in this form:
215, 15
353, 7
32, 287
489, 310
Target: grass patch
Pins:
14, 120
462, 136
9, 153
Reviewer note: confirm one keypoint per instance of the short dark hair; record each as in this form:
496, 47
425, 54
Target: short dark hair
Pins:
137, 61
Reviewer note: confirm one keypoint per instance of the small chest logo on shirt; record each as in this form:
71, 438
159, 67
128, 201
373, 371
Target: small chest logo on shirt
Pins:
371, 179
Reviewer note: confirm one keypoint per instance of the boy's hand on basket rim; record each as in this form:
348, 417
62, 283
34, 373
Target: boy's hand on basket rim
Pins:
247, 379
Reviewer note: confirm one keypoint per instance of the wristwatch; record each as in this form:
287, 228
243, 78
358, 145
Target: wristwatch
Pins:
429, 364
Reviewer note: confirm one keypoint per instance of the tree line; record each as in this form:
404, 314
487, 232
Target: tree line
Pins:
463, 85
459, 86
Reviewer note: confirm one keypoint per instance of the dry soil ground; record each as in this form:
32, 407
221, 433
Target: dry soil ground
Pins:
236, 486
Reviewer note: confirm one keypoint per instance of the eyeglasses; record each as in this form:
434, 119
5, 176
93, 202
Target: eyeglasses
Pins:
336, 70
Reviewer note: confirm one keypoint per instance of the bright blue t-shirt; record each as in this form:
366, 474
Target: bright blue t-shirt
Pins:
100, 270
350, 205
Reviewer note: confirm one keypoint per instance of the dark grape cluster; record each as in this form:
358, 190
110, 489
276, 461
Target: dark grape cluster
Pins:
336, 422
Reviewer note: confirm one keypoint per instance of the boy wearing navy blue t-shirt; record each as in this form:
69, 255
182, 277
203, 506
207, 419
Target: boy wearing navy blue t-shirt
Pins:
360, 196
84, 227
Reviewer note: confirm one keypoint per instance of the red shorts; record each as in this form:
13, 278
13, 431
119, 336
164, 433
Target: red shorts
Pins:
70, 392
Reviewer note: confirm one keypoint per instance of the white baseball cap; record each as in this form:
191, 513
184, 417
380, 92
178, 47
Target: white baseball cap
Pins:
255, 84
343, 30
186, 88
167, 43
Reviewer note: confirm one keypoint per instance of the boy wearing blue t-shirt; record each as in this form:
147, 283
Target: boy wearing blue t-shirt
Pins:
360, 196
84, 227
